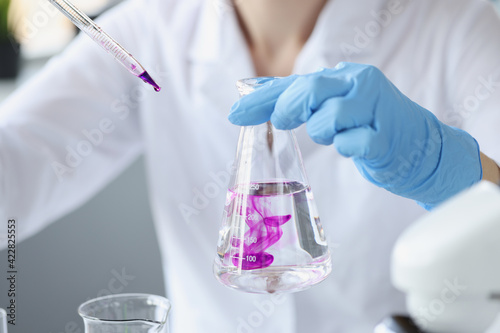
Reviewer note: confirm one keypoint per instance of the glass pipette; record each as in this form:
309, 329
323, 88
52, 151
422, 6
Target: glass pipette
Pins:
85, 24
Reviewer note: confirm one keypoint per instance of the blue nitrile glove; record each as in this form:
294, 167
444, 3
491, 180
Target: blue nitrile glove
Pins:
395, 143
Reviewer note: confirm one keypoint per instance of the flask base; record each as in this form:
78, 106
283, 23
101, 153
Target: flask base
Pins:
279, 279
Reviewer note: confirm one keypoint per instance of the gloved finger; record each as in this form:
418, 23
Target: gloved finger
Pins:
336, 115
355, 142
356, 109
257, 107
305, 95
358, 106
320, 125
354, 70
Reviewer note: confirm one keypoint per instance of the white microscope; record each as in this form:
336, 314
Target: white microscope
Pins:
448, 264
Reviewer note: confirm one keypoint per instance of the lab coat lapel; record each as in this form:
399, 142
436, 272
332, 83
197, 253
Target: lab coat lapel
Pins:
218, 57
339, 35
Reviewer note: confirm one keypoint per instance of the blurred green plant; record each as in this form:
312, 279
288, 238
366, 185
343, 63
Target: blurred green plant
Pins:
5, 30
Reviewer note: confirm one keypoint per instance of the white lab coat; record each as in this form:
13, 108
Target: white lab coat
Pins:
79, 123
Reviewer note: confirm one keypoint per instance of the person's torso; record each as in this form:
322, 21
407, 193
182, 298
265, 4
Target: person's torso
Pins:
190, 146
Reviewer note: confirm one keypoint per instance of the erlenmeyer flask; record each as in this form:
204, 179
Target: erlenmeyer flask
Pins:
271, 238
125, 313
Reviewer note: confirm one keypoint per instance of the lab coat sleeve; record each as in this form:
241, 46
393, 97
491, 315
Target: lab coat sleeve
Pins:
70, 130
473, 68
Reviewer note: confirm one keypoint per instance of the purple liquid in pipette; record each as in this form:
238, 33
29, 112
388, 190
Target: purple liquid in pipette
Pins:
148, 79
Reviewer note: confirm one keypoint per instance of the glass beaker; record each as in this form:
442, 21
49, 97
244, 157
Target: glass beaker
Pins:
125, 313
271, 239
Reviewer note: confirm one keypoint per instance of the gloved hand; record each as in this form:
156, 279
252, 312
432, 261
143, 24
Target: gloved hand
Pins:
395, 143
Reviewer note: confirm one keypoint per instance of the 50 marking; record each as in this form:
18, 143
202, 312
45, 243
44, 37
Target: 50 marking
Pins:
254, 186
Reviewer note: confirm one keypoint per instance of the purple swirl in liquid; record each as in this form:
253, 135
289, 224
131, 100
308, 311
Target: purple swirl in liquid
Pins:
263, 232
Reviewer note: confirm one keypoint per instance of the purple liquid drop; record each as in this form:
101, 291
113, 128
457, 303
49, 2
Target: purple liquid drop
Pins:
148, 79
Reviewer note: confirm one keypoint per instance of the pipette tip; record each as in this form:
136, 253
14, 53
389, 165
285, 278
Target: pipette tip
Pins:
148, 79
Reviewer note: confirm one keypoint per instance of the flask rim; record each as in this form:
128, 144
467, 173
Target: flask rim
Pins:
249, 85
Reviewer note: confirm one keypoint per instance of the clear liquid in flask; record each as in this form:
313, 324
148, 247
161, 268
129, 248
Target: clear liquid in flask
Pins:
271, 239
